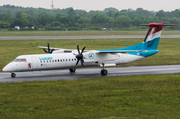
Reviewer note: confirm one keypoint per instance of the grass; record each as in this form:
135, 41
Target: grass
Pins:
80, 33
152, 96
169, 49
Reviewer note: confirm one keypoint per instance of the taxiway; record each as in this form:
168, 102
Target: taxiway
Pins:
83, 37
88, 73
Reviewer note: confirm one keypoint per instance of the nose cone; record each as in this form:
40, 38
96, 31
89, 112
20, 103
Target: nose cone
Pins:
5, 69
8, 68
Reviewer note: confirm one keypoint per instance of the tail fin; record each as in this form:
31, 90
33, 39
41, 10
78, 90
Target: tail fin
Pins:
151, 40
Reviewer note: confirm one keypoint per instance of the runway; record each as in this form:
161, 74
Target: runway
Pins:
83, 37
88, 73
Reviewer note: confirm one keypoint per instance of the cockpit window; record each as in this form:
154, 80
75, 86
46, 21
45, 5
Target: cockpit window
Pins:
19, 60
22, 60
16, 60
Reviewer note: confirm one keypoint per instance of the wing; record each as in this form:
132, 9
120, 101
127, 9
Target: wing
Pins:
49, 48
57, 50
60, 50
119, 51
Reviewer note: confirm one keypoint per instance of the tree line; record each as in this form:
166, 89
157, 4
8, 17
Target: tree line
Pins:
62, 19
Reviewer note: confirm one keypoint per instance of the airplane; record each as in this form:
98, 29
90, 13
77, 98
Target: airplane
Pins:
56, 58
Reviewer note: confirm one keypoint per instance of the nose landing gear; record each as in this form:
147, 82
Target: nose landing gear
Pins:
13, 75
72, 69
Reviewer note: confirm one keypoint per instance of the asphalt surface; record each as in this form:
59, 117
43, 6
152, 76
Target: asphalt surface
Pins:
83, 37
88, 73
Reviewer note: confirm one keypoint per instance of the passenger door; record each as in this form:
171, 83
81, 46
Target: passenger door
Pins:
34, 63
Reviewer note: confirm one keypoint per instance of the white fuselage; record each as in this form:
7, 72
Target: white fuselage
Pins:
66, 60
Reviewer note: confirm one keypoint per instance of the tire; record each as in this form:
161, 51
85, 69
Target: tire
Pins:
104, 72
13, 75
72, 69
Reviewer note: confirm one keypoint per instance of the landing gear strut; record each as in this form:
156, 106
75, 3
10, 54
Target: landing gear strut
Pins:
13, 75
72, 69
103, 71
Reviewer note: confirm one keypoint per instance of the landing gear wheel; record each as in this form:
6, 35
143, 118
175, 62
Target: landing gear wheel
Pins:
72, 69
104, 72
13, 75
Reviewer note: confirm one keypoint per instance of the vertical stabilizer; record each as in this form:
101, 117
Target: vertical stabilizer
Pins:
154, 31
151, 40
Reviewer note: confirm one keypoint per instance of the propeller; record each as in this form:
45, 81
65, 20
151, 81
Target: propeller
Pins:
80, 56
49, 51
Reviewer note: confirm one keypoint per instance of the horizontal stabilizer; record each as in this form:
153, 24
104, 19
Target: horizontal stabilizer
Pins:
157, 24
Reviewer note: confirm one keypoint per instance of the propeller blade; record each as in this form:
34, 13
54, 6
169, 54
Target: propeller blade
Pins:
77, 62
82, 63
82, 50
48, 48
78, 49
52, 50
80, 56
45, 51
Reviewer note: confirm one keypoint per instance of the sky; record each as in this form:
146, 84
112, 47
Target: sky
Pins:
151, 5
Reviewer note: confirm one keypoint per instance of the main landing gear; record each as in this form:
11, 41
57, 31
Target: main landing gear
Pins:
13, 75
103, 71
72, 69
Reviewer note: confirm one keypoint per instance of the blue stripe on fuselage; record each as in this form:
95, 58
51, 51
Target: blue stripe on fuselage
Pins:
147, 53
